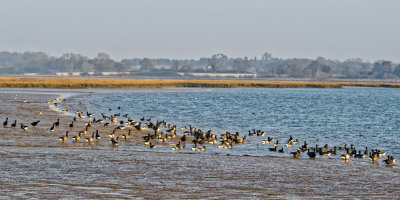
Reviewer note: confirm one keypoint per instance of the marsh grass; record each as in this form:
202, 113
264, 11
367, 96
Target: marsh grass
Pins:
76, 83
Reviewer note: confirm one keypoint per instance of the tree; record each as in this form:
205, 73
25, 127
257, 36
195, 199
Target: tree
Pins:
213, 64
382, 69
146, 64
397, 71
103, 56
175, 64
187, 68
119, 67
237, 64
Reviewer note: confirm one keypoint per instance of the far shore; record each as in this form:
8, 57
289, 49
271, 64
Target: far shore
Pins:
81, 83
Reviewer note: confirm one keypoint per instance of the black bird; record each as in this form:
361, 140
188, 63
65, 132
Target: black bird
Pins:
5, 122
311, 154
14, 124
97, 135
273, 149
183, 138
57, 122
24, 127
142, 119
71, 125
52, 128
119, 107
35, 123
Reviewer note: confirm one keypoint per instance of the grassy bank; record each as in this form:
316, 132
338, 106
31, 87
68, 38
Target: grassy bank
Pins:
73, 83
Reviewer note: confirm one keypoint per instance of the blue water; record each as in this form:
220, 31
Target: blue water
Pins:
360, 116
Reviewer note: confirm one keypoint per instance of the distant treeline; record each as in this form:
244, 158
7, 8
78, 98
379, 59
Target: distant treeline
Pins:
266, 66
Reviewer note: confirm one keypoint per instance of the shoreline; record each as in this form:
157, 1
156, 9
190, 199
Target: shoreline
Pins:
42, 167
82, 83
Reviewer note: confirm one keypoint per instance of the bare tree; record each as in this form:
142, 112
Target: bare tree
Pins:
146, 64
175, 64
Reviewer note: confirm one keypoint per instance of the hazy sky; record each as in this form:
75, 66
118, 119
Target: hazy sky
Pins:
336, 29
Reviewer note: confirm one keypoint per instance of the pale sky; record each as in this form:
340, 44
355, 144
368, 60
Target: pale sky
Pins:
335, 29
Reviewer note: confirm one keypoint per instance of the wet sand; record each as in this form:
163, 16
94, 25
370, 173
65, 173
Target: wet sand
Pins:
35, 164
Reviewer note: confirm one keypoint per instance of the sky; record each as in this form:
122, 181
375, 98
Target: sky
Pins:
334, 29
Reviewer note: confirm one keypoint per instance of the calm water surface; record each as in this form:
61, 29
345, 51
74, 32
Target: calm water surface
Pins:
360, 116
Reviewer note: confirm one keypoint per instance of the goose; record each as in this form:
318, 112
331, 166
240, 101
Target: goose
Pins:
290, 144
311, 154
126, 136
114, 141
374, 157
76, 138
273, 149
180, 146
90, 139
343, 147
334, 150
83, 132
346, 156
57, 122
112, 134
52, 128
24, 127
324, 148
35, 123
281, 150
71, 125
252, 133
267, 141
152, 146
276, 143
13, 125
64, 138
183, 138
5, 122
366, 151
296, 154
194, 148
202, 148
390, 160
97, 135
359, 155
325, 153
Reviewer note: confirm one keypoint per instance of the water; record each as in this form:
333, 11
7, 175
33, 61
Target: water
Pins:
365, 117
35, 164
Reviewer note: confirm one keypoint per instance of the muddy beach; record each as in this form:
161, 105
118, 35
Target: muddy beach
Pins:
35, 164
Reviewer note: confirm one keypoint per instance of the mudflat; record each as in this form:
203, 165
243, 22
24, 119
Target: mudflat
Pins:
35, 164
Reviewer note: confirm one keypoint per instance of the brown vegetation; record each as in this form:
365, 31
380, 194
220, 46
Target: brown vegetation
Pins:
15, 82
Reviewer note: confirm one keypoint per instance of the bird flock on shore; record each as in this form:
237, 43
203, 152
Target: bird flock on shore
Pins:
156, 133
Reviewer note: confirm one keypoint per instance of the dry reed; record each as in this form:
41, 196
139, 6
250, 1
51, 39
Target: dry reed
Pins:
74, 83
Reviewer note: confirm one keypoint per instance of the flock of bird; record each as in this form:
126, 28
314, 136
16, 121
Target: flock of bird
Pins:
164, 133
